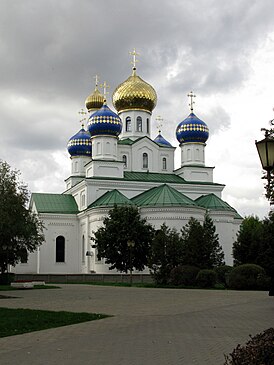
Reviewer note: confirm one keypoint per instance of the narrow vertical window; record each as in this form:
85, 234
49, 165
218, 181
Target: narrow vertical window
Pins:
147, 125
124, 160
128, 124
83, 249
139, 124
145, 161
164, 163
107, 148
60, 249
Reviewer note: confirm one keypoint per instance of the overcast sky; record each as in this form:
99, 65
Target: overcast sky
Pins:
222, 50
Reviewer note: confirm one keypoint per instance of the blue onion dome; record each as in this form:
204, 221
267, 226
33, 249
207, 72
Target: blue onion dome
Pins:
192, 129
104, 122
162, 141
80, 144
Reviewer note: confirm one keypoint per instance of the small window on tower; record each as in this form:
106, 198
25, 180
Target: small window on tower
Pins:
125, 160
147, 125
139, 124
145, 160
128, 124
164, 163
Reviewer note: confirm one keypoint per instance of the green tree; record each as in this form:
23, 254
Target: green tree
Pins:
201, 245
215, 254
20, 229
249, 241
266, 251
124, 224
165, 254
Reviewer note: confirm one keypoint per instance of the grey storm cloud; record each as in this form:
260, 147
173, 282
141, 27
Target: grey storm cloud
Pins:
50, 51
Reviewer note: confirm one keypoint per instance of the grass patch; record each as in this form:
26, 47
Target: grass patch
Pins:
18, 321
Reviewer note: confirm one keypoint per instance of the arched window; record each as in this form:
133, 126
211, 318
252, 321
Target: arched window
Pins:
139, 124
164, 163
147, 125
83, 249
124, 160
60, 249
107, 148
128, 124
145, 160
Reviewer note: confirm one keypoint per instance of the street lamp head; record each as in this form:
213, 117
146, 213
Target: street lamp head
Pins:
265, 149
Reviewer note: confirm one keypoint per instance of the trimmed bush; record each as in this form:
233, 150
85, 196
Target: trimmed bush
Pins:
206, 278
6, 278
184, 275
258, 350
246, 277
222, 273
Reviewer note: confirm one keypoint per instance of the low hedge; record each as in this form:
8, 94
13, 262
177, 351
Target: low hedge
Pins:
247, 277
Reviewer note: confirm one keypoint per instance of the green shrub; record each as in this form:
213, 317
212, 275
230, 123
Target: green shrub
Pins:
257, 351
6, 278
184, 275
206, 278
246, 277
222, 273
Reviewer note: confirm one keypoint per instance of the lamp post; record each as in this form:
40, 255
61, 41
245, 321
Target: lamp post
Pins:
265, 149
130, 244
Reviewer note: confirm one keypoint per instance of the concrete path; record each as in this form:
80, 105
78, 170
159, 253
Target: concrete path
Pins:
150, 326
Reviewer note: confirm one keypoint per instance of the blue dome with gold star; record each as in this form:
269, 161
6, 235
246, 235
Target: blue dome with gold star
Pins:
192, 129
80, 144
104, 122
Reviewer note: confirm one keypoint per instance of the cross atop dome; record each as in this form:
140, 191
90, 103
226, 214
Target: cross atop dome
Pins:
191, 95
159, 121
82, 113
96, 77
105, 86
134, 60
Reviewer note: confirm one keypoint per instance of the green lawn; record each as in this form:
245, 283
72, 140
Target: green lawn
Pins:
18, 321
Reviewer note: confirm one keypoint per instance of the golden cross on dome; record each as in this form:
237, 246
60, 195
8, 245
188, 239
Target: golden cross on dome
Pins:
159, 121
96, 77
105, 87
82, 113
134, 54
191, 95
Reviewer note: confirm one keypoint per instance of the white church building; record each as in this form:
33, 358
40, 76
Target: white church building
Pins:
116, 161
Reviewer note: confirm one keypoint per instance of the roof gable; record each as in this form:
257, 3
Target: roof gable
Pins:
163, 195
212, 202
111, 198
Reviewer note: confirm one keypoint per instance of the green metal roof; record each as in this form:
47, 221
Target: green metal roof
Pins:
163, 195
212, 202
54, 203
153, 177
126, 141
110, 198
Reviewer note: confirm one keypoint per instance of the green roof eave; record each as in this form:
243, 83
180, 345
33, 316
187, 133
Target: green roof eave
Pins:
153, 177
54, 203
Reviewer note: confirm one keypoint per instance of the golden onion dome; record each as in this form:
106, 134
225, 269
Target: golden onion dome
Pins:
94, 101
134, 94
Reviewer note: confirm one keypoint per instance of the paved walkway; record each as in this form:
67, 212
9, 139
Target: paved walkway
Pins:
150, 326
